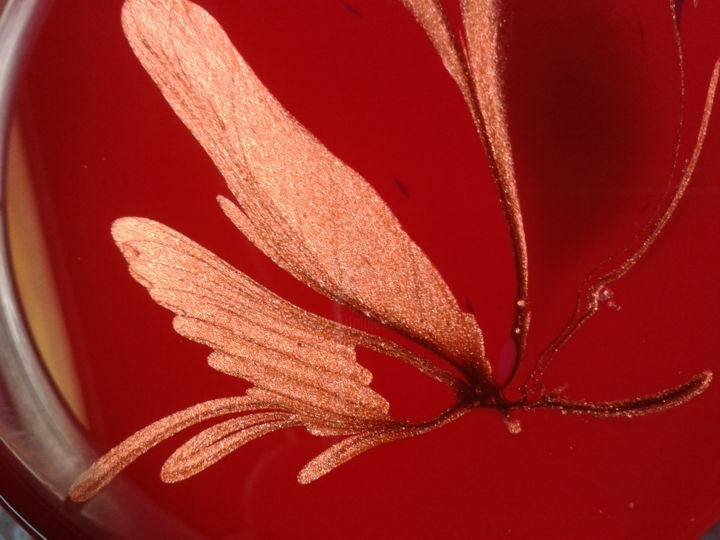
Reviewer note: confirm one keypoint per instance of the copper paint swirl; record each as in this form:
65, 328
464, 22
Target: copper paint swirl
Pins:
323, 223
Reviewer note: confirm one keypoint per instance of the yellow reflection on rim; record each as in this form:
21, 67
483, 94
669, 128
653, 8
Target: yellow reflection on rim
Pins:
34, 278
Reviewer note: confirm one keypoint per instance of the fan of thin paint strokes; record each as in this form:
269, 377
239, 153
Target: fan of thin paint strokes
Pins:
324, 224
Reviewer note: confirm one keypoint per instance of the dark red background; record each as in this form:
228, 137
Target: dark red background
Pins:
593, 99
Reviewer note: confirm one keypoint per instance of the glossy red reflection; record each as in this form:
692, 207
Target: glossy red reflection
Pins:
594, 102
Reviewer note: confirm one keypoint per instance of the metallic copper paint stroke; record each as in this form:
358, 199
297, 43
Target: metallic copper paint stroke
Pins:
254, 333
237, 216
476, 70
481, 20
114, 461
216, 442
298, 202
617, 259
592, 295
323, 223
640, 406
352, 447
431, 16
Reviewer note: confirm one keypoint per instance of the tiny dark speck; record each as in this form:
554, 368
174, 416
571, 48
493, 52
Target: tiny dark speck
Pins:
641, 30
401, 186
243, 210
300, 344
351, 9
469, 305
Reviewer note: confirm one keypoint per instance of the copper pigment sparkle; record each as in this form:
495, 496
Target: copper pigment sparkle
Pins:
323, 223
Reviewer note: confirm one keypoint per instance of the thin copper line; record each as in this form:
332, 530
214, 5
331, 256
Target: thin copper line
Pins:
507, 191
506, 188
639, 406
534, 379
278, 373
589, 279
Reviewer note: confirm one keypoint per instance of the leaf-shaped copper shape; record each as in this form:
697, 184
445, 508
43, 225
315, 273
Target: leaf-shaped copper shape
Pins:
308, 211
255, 334
319, 220
475, 68
107, 467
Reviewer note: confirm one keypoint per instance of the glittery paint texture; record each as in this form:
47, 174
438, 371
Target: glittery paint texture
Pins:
323, 223
474, 65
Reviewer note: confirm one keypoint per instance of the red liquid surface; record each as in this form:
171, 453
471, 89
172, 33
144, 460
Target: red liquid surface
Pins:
593, 98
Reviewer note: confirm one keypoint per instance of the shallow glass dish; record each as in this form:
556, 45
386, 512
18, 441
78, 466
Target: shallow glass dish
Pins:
598, 117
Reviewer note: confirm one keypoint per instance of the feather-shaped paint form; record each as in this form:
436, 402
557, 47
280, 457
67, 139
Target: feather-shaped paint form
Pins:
323, 223
107, 467
216, 442
475, 67
308, 211
254, 333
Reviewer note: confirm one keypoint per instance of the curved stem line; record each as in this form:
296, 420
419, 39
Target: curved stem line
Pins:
660, 401
593, 291
506, 188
